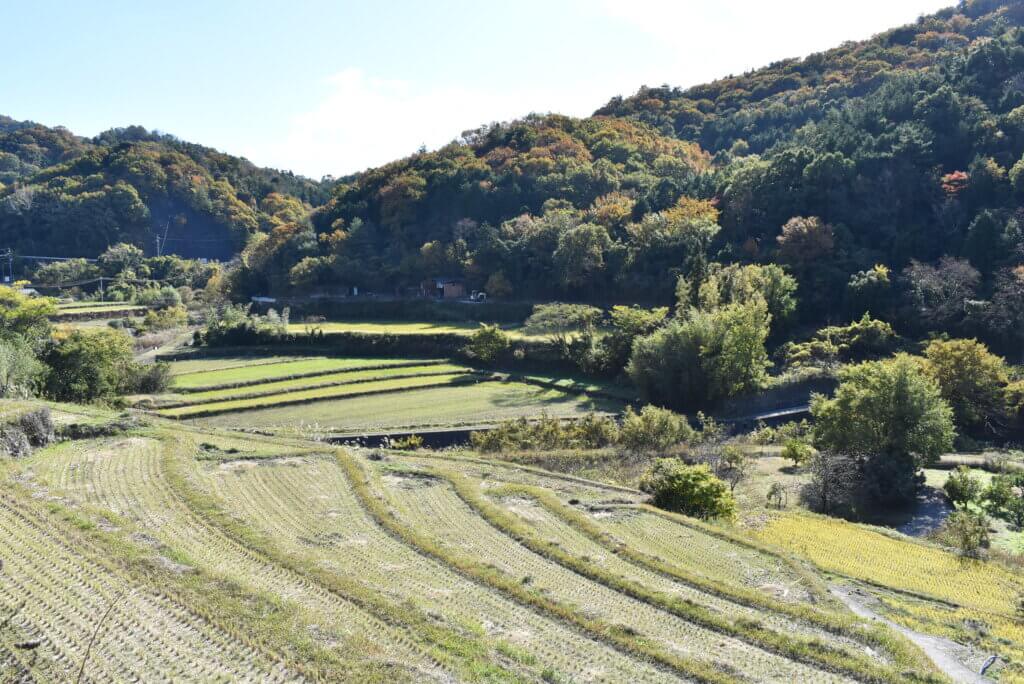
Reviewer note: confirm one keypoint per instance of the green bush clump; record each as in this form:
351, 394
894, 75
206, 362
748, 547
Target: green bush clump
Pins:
860, 340
962, 487
593, 431
487, 344
690, 490
654, 429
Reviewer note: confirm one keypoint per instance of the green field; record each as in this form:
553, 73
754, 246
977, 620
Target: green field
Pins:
358, 394
218, 556
304, 396
436, 407
235, 372
329, 379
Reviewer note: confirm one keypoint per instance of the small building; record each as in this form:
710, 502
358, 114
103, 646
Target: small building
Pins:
444, 288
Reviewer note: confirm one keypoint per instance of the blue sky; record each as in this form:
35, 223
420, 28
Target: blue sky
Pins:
323, 87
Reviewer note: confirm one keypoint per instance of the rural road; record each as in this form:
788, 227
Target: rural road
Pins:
941, 651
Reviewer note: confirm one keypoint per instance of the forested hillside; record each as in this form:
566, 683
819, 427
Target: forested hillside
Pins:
62, 195
882, 174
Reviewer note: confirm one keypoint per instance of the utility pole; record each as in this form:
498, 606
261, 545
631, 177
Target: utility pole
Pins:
160, 245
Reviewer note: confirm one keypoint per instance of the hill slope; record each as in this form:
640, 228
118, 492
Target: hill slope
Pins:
62, 195
904, 147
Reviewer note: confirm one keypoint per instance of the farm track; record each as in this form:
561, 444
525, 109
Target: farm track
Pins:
129, 480
330, 519
458, 526
146, 636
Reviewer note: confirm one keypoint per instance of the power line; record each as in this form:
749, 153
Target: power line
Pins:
50, 258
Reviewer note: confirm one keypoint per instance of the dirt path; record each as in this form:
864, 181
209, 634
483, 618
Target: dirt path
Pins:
943, 652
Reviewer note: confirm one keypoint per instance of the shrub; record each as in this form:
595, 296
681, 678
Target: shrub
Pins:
235, 325
410, 443
766, 435
160, 298
151, 378
165, 319
1004, 498
560, 319
967, 531
20, 370
86, 366
24, 316
798, 452
38, 427
590, 432
487, 344
962, 487
593, 431
864, 339
690, 490
653, 429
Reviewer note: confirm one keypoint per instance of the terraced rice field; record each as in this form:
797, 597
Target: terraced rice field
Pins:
344, 395
326, 380
217, 373
917, 585
476, 404
229, 557
426, 502
54, 586
313, 393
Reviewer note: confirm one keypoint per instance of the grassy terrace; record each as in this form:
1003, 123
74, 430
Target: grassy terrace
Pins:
275, 559
419, 408
304, 396
318, 381
918, 585
218, 373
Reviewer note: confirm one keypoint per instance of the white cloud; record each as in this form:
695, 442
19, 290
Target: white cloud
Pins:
709, 40
365, 121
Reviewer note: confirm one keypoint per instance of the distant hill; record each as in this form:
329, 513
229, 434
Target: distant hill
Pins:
64, 195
